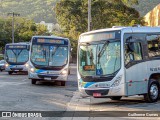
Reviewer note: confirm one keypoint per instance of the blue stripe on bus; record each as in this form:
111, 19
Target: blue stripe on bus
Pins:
86, 84
39, 71
11, 66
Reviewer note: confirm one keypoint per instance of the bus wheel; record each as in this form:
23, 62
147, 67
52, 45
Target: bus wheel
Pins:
34, 81
153, 92
10, 72
116, 98
63, 83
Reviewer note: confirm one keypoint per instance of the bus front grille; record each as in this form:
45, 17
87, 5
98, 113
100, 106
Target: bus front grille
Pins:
47, 76
16, 69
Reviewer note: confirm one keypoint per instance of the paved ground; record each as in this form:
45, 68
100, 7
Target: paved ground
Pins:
18, 94
136, 104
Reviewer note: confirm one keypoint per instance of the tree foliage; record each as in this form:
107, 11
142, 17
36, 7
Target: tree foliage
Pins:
24, 30
72, 15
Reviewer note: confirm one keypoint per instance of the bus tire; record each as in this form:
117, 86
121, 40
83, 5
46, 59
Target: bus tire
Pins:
116, 98
63, 83
33, 81
153, 92
10, 72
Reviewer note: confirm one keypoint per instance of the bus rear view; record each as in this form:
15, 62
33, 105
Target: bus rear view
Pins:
49, 59
16, 57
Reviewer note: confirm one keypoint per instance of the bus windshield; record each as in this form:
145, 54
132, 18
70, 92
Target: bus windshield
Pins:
99, 59
17, 56
49, 55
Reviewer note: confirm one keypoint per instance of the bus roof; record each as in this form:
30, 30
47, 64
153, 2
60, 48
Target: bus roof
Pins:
55, 37
20, 43
143, 29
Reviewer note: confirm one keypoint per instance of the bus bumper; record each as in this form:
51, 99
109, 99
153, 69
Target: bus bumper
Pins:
103, 92
41, 77
94, 93
16, 68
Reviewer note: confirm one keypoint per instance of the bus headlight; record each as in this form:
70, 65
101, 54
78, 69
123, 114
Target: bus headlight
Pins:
6, 65
26, 64
117, 81
64, 72
32, 69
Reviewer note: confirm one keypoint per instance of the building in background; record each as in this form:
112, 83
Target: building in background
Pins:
152, 18
50, 26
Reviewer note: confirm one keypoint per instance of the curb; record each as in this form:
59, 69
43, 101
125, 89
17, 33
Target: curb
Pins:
76, 105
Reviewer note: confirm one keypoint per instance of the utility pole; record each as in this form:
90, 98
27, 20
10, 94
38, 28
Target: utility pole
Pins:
89, 15
13, 14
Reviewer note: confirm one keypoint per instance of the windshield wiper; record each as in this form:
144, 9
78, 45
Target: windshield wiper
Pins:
105, 44
103, 76
100, 53
110, 75
55, 51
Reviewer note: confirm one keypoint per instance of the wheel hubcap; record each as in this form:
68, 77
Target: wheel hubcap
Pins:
154, 91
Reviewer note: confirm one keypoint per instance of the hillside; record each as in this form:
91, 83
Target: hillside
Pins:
37, 10
145, 6
42, 10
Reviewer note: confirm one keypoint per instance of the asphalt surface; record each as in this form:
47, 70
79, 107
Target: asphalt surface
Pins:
18, 94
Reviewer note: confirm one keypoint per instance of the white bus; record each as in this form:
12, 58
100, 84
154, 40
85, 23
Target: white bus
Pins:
16, 57
118, 62
49, 59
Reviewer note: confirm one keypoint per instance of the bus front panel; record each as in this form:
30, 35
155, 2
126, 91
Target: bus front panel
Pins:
49, 59
100, 72
16, 57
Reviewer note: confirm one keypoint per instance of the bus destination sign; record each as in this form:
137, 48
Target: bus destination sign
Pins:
17, 46
100, 36
53, 41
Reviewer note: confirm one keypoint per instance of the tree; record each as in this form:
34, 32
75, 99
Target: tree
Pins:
41, 30
72, 15
24, 30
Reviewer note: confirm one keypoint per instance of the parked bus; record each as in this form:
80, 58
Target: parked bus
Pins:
16, 57
122, 61
49, 59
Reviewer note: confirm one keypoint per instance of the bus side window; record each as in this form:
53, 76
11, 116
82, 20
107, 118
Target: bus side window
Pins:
153, 45
133, 52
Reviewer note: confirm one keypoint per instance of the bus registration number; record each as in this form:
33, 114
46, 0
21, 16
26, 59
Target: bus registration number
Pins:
103, 85
46, 78
51, 72
97, 94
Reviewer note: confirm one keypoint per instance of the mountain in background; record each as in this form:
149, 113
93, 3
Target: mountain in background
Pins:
145, 6
42, 10
38, 10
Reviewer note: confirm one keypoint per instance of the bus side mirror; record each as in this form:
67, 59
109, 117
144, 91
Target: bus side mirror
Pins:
6, 58
71, 59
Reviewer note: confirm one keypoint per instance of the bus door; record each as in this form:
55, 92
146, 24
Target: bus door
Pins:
135, 65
